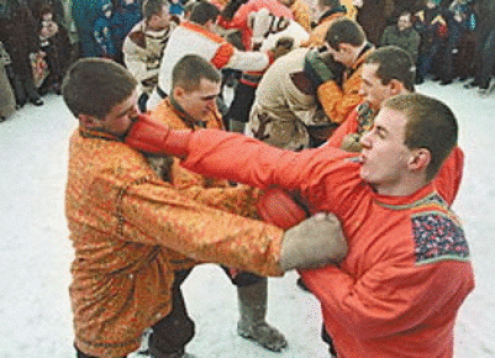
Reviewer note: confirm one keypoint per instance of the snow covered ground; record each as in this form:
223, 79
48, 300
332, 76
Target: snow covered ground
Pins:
35, 252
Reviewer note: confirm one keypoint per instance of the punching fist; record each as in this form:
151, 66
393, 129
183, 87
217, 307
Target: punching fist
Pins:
152, 137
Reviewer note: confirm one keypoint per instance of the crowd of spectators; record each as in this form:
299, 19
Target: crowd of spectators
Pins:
448, 40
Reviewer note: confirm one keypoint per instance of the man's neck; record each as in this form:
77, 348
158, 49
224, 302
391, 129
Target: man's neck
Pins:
407, 186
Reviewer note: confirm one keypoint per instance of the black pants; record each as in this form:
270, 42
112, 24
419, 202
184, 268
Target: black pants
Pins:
243, 278
173, 332
328, 340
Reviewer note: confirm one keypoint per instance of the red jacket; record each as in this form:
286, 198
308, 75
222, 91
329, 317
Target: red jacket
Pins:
408, 269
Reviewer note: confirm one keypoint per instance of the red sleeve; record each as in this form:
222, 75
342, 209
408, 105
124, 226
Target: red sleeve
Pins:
448, 179
322, 175
391, 296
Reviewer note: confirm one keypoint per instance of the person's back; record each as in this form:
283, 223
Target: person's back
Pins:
285, 104
207, 44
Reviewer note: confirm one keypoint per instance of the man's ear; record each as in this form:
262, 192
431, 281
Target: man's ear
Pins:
396, 87
344, 47
178, 92
88, 121
419, 160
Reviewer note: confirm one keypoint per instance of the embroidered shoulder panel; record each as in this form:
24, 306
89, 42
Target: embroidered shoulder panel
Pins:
438, 236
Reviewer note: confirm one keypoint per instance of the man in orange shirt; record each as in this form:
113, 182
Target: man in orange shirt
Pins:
408, 269
133, 232
192, 105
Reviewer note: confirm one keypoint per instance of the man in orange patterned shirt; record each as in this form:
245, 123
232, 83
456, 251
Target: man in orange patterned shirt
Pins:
192, 105
132, 231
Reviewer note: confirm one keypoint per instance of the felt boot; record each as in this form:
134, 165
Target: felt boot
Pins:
252, 324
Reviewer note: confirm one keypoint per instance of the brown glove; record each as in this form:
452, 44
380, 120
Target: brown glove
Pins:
315, 242
282, 47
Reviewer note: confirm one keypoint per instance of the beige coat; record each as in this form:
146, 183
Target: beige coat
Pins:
7, 98
282, 111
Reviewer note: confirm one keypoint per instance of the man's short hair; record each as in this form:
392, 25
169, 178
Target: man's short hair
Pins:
93, 86
431, 124
153, 7
204, 11
344, 30
394, 63
190, 70
329, 3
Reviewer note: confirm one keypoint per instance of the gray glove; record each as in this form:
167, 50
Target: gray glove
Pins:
315, 242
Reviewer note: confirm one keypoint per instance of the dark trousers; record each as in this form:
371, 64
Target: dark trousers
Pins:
486, 61
173, 332
328, 340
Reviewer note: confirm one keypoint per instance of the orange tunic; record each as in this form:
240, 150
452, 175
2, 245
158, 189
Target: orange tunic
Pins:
131, 231
212, 192
339, 102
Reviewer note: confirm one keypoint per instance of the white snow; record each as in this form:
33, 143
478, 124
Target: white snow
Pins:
35, 252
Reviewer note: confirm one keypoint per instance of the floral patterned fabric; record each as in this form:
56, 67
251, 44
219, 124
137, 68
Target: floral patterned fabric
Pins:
131, 231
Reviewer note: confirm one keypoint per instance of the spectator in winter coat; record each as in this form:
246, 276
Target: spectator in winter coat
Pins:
126, 14
19, 36
403, 35
54, 42
485, 39
432, 27
102, 31
393, 296
461, 21
85, 13
7, 98
132, 231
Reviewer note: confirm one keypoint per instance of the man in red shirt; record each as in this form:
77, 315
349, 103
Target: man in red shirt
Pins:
387, 72
408, 267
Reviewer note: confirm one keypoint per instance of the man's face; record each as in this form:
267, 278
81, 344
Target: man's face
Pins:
404, 22
198, 103
161, 21
344, 55
120, 118
372, 89
385, 157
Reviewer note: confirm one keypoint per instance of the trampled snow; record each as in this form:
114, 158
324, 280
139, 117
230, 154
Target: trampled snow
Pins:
35, 252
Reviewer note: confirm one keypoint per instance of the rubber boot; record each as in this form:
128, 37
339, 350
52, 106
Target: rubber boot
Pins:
252, 324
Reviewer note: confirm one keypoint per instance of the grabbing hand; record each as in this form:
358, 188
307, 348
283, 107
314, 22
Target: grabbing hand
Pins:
282, 47
315, 242
316, 68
